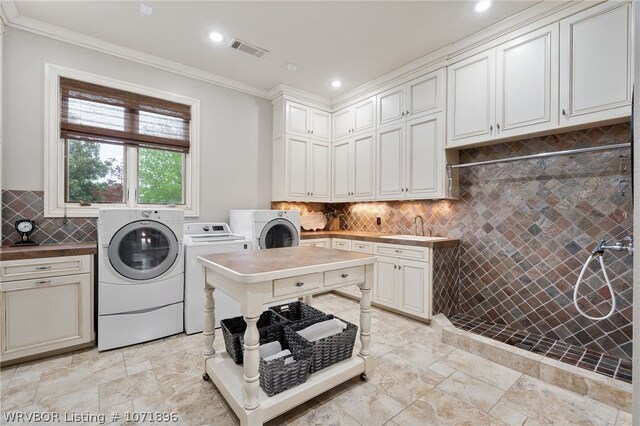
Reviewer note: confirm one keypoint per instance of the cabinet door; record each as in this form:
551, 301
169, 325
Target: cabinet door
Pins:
45, 314
363, 174
341, 170
386, 283
390, 181
596, 64
391, 105
425, 94
364, 115
527, 83
342, 123
471, 99
320, 177
320, 125
297, 118
424, 157
297, 168
414, 287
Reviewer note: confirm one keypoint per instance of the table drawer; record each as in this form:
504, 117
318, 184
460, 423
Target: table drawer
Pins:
353, 275
45, 267
299, 284
406, 252
362, 246
341, 244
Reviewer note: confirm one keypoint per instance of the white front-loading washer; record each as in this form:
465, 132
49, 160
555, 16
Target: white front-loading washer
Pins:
140, 275
267, 228
200, 239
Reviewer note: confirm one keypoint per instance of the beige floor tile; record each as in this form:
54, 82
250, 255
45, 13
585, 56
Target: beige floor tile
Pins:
329, 414
32, 371
138, 368
127, 388
424, 354
624, 419
442, 369
13, 398
178, 367
439, 408
83, 401
471, 390
368, 405
5, 376
549, 404
403, 380
487, 371
507, 415
95, 361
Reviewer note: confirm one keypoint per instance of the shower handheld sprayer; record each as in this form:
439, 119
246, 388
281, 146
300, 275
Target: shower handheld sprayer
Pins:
598, 252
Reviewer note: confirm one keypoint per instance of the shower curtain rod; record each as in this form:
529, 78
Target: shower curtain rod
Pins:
541, 155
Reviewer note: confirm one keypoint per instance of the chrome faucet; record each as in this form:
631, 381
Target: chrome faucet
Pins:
415, 228
619, 246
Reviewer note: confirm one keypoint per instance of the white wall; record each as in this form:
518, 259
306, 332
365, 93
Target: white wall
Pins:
235, 153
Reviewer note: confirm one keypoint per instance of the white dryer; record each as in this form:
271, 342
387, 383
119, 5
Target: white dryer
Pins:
199, 239
140, 275
267, 228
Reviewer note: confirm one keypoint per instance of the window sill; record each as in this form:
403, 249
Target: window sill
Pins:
92, 211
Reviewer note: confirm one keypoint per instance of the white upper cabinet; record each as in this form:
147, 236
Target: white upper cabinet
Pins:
507, 91
421, 96
390, 182
354, 168
303, 120
527, 83
320, 173
424, 157
596, 74
297, 167
354, 119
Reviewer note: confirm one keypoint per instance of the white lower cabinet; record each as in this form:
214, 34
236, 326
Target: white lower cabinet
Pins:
46, 312
317, 242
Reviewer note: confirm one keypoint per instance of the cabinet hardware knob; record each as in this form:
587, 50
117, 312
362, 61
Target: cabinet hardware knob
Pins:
406, 190
498, 126
299, 284
395, 266
344, 275
402, 113
43, 268
564, 112
312, 194
491, 127
42, 282
312, 132
398, 251
399, 267
407, 112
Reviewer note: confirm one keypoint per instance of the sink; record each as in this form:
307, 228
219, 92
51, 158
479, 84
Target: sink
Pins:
414, 238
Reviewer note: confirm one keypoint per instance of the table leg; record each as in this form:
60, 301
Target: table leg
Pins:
365, 322
209, 322
308, 299
251, 364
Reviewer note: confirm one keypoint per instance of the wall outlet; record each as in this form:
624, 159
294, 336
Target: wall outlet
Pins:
378, 221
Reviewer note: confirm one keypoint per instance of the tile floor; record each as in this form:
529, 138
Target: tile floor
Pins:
418, 381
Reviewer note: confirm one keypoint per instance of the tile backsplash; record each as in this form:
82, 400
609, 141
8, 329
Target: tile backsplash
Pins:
30, 205
526, 227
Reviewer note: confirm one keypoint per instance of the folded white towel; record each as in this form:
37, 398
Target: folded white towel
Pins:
278, 355
321, 330
269, 349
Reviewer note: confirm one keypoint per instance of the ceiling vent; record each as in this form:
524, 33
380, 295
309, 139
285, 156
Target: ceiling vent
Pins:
245, 47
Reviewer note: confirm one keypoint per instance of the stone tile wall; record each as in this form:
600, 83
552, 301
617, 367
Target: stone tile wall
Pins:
30, 205
526, 228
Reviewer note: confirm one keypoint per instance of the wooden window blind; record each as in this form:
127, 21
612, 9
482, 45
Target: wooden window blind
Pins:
94, 113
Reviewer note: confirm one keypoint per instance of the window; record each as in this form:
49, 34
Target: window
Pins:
116, 144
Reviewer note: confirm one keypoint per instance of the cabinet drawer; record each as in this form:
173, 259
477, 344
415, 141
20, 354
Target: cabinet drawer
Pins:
406, 252
299, 284
320, 242
46, 267
341, 244
362, 246
354, 275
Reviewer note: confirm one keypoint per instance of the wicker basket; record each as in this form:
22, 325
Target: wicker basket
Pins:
275, 376
332, 349
234, 328
297, 311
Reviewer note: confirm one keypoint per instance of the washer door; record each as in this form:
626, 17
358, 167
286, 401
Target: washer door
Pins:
279, 233
143, 250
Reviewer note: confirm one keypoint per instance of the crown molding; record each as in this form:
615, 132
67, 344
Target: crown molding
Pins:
284, 91
443, 56
15, 20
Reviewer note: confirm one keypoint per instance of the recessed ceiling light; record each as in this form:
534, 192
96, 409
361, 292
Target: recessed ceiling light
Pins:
216, 36
145, 9
483, 5
292, 67
336, 83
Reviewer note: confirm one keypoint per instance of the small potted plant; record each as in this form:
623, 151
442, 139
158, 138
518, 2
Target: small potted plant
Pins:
333, 216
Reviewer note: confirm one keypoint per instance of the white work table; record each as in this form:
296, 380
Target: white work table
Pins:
265, 276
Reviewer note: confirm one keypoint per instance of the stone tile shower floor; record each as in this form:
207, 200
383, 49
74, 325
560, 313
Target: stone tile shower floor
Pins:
569, 354
418, 381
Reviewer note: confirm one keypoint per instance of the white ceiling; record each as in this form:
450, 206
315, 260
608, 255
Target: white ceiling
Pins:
354, 41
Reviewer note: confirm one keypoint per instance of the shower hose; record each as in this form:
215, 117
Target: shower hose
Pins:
606, 279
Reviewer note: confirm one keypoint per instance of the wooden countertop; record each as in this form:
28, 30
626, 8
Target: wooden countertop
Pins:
265, 265
376, 238
47, 250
